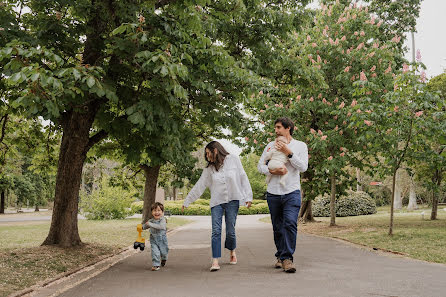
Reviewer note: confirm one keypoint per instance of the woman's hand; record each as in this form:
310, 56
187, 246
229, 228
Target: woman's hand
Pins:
248, 204
182, 208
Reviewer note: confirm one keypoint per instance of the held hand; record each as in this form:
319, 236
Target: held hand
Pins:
279, 171
283, 147
182, 208
248, 204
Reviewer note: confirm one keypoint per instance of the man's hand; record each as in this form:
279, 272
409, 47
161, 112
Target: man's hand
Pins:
283, 147
248, 204
279, 171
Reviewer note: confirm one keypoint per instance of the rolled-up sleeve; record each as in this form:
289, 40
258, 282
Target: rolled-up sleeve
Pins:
261, 165
300, 157
198, 188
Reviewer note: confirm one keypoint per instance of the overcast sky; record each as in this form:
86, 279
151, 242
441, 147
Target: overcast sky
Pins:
430, 37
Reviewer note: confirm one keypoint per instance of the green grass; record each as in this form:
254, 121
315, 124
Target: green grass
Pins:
23, 262
413, 236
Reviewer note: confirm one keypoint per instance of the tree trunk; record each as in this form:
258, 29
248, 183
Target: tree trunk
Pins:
412, 196
398, 200
333, 200
305, 213
151, 174
358, 180
37, 208
174, 193
391, 203
2, 202
75, 144
437, 179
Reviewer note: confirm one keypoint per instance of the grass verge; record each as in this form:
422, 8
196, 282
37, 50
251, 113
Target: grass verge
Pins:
23, 262
413, 236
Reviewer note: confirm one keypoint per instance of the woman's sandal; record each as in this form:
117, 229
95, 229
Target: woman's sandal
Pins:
233, 260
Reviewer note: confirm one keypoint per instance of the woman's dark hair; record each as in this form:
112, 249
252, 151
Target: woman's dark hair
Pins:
219, 158
156, 205
286, 123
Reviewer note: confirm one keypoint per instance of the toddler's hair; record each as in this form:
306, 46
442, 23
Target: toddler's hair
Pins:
157, 204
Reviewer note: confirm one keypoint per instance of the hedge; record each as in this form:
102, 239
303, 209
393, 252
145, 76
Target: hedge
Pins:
201, 208
354, 204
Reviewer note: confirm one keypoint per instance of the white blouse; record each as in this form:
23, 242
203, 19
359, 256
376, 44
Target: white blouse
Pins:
229, 183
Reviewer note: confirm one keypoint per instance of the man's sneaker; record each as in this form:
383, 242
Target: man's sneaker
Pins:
288, 266
278, 264
155, 268
163, 262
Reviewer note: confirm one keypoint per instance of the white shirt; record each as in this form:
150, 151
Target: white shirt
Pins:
229, 183
298, 163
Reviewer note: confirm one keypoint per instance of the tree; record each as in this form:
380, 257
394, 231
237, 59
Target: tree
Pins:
79, 75
342, 48
434, 160
397, 123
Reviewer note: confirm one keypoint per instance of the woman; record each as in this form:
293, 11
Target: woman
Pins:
230, 188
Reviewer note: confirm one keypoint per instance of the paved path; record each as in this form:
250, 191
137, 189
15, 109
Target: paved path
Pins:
325, 267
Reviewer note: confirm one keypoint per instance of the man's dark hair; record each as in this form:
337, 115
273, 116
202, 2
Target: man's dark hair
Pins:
157, 204
286, 123
219, 158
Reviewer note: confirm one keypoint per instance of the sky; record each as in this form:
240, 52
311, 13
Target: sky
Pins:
430, 39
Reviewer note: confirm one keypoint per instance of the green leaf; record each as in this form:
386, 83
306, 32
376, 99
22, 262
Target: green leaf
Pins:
35, 76
90, 81
164, 71
77, 74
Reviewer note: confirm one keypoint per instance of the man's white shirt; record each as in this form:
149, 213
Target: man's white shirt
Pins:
298, 163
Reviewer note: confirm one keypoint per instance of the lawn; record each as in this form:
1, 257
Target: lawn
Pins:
23, 262
413, 236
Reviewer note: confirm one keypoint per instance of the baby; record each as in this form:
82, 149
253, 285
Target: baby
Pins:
276, 159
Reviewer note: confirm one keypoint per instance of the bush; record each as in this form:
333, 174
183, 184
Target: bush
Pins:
107, 202
354, 204
201, 208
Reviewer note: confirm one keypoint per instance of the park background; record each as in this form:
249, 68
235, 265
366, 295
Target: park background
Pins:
101, 111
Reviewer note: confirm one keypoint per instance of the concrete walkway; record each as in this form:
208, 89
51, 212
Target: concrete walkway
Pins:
325, 267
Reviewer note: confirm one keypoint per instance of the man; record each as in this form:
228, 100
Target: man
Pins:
284, 200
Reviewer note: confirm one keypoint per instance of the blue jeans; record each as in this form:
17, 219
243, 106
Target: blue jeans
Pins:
230, 211
160, 248
284, 210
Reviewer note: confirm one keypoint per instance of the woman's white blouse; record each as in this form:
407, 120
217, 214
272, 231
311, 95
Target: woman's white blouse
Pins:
229, 183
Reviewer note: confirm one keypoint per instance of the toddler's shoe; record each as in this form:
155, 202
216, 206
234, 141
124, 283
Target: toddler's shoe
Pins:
155, 268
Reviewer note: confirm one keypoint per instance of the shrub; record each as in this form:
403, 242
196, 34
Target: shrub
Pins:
354, 204
201, 208
107, 202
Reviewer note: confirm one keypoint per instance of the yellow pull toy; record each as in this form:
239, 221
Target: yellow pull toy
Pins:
140, 241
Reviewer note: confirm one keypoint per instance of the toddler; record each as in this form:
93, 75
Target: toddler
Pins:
158, 238
276, 159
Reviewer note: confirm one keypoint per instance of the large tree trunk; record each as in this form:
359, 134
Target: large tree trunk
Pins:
412, 196
2, 202
391, 202
75, 144
333, 200
37, 208
398, 200
151, 174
